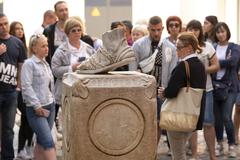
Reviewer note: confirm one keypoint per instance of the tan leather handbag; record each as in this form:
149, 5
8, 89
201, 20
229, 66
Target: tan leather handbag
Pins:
181, 113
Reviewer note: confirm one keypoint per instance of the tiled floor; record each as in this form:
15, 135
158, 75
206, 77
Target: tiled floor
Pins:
203, 154
162, 148
16, 130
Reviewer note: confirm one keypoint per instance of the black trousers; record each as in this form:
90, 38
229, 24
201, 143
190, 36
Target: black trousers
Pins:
57, 106
25, 131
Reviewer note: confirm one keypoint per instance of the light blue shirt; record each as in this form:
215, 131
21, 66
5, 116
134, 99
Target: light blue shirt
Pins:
37, 83
142, 50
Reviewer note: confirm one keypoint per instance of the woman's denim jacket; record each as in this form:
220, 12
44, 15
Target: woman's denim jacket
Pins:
37, 83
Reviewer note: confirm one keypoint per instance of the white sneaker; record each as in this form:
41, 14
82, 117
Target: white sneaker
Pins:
192, 158
169, 153
59, 135
30, 151
231, 152
59, 129
189, 151
23, 154
219, 151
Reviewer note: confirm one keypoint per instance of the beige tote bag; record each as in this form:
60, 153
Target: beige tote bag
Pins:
181, 113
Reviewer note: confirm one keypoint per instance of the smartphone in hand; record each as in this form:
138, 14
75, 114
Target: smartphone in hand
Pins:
80, 59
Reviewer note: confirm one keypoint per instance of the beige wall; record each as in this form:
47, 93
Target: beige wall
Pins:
30, 12
98, 25
31, 17
225, 10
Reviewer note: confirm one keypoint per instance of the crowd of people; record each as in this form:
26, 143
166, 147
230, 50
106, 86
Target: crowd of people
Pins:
31, 77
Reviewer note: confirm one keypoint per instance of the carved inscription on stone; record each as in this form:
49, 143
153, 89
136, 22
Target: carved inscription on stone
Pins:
117, 82
116, 126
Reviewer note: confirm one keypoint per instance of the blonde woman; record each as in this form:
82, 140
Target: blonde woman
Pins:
139, 31
69, 54
37, 90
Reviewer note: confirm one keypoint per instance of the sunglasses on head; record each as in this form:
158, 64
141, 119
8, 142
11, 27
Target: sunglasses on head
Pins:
37, 35
75, 30
174, 24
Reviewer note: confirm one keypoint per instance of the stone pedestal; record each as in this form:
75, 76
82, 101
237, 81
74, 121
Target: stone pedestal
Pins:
109, 117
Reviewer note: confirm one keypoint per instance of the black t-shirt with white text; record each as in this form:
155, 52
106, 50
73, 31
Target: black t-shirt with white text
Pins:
9, 63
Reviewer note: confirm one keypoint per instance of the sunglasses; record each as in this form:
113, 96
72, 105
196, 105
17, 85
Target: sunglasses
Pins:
75, 30
174, 25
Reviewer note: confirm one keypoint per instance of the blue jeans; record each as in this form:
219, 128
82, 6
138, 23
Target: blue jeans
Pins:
208, 113
42, 126
238, 99
223, 118
8, 106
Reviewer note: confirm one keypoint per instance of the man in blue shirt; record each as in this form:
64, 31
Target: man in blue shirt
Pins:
12, 55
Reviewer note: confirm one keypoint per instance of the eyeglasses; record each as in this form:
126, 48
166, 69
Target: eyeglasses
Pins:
171, 25
75, 30
179, 48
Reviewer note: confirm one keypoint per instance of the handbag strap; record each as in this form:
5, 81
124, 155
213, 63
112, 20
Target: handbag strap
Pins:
187, 74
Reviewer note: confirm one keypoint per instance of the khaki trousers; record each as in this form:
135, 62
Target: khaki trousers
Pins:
178, 142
